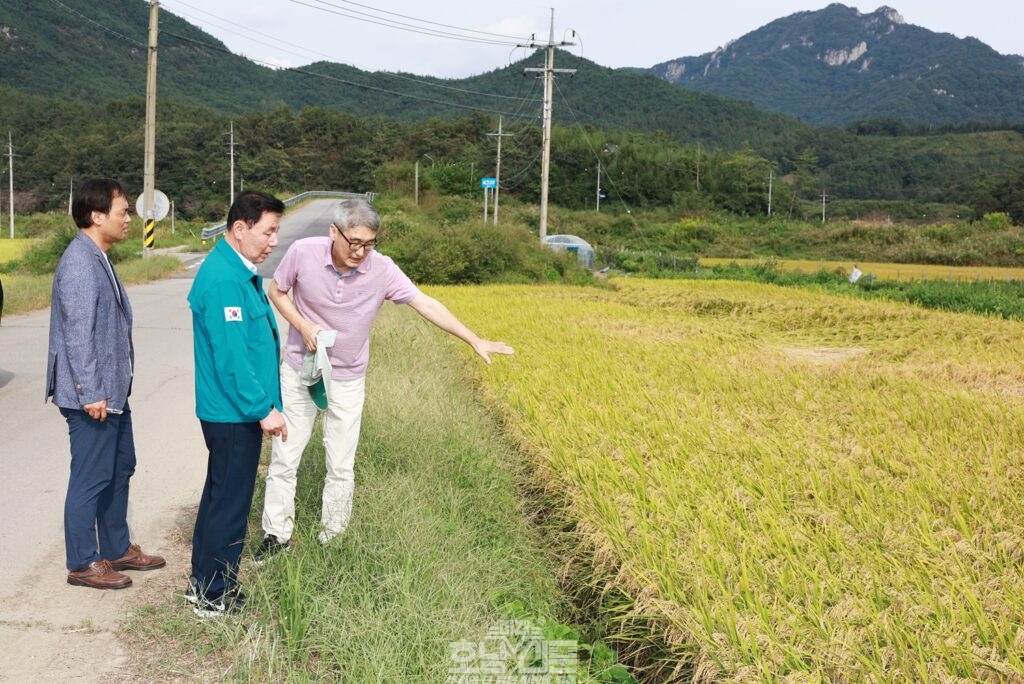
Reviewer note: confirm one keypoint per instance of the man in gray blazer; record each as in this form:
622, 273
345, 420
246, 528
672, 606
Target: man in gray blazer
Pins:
89, 376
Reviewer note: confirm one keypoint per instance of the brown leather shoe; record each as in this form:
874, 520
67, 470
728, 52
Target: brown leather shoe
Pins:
135, 559
99, 575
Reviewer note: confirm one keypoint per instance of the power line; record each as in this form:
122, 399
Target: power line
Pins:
229, 26
363, 85
425, 21
411, 28
549, 72
309, 73
404, 95
98, 24
232, 25
593, 151
523, 102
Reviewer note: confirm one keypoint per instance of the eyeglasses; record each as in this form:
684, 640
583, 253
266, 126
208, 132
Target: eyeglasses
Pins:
355, 245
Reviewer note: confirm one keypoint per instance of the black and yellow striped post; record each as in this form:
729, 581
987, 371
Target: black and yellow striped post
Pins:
149, 234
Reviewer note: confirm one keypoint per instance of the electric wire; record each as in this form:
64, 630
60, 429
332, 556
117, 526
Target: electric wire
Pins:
336, 79
431, 84
425, 21
402, 26
98, 24
593, 151
232, 25
509, 181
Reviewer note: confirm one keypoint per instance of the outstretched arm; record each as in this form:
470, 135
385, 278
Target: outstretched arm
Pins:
438, 314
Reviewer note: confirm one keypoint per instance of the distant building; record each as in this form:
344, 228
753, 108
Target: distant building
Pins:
570, 243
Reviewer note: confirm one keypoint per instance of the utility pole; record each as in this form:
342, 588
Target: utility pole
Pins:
823, 198
416, 184
599, 185
231, 153
698, 167
10, 178
549, 77
497, 169
148, 181
770, 193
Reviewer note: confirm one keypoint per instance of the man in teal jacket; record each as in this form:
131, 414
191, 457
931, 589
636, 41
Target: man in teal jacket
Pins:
238, 393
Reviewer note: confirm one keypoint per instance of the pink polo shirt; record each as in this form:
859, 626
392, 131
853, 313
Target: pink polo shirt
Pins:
347, 303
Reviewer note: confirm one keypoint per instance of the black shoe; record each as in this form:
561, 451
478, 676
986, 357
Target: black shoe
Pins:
268, 547
230, 602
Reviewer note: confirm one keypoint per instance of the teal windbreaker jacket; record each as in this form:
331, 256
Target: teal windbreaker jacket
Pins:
236, 342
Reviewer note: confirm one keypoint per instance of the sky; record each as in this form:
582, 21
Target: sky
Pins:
417, 37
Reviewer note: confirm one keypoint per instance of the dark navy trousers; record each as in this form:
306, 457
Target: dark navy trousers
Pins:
96, 505
224, 507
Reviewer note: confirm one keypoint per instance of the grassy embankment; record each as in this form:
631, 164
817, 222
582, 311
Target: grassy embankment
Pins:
779, 485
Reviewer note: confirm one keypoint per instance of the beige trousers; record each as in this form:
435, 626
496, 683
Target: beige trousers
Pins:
341, 436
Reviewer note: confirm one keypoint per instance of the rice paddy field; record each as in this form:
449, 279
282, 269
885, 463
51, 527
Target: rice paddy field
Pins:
11, 249
780, 485
889, 271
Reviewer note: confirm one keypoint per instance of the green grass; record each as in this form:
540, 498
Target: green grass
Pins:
441, 546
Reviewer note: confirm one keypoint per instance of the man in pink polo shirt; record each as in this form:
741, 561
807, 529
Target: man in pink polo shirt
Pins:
337, 283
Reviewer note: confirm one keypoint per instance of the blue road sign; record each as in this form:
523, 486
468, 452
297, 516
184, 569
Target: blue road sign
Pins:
488, 183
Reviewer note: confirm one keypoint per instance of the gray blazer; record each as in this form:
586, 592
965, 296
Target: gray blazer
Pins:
91, 354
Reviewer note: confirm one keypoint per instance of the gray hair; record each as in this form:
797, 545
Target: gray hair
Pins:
355, 212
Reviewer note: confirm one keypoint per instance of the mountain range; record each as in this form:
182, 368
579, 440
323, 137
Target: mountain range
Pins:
836, 65
828, 67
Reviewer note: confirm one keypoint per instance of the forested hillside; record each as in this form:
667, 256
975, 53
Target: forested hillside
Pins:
57, 142
835, 66
333, 126
96, 52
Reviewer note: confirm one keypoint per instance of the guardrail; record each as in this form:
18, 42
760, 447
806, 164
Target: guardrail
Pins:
213, 231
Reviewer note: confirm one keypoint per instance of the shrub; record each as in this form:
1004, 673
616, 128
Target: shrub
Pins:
43, 257
471, 252
996, 220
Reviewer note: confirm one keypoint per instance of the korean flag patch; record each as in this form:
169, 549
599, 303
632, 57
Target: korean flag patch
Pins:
233, 313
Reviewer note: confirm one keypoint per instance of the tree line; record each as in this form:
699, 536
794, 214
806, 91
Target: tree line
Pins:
978, 170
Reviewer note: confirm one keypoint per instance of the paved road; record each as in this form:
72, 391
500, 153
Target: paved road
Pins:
49, 630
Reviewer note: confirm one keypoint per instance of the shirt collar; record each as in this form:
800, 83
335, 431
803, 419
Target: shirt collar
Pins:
248, 264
